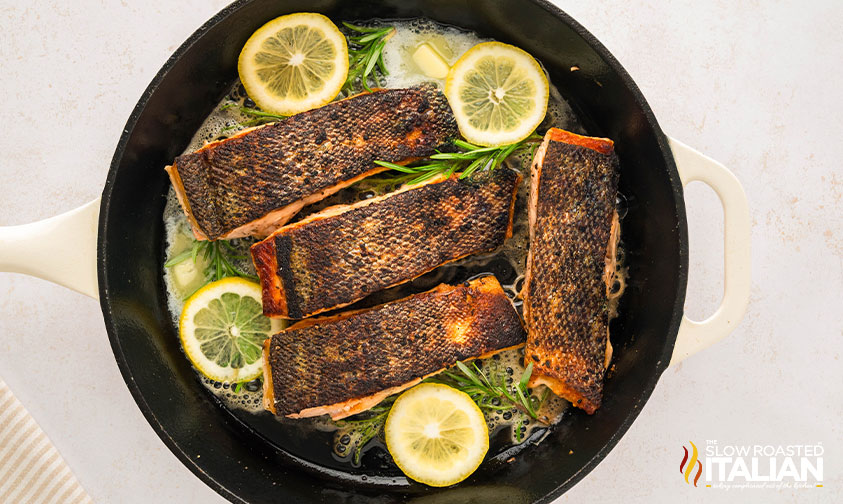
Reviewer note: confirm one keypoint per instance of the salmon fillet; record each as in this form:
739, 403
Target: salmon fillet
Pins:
345, 364
344, 253
573, 235
253, 183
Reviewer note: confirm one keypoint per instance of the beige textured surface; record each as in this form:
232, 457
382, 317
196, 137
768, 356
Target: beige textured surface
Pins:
753, 84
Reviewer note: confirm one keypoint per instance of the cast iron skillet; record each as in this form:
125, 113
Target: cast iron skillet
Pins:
239, 461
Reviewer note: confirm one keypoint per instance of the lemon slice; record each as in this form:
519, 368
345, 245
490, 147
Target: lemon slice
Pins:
294, 63
436, 434
498, 93
222, 330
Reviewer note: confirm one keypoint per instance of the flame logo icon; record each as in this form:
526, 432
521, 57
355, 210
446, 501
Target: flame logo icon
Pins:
689, 468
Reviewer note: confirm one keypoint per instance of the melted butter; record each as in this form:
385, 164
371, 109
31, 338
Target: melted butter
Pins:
449, 42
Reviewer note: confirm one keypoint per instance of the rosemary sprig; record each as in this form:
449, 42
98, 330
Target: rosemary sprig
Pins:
365, 56
369, 426
258, 117
468, 161
221, 255
491, 392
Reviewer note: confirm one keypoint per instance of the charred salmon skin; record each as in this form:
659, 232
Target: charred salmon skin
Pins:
344, 364
253, 183
344, 253
573, 234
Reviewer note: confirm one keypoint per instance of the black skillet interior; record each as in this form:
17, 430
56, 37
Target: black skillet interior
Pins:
239, 463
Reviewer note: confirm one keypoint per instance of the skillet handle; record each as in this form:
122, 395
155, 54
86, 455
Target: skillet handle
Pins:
694, 336
61, 249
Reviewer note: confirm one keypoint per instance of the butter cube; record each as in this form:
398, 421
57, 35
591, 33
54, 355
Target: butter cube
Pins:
430, 62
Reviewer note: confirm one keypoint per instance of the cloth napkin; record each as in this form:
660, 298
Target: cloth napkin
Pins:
31, 469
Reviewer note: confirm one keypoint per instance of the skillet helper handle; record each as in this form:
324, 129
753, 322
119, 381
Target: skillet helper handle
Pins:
695, 335
61, 249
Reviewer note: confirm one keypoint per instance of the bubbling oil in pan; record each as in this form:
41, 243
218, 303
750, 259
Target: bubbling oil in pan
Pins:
319, 441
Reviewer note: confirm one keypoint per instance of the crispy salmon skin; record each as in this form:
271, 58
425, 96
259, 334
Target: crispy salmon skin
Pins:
344, 253
345, 364
253, 183
572, 210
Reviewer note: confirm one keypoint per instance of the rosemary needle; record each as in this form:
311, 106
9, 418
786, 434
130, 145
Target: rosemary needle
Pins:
258, 117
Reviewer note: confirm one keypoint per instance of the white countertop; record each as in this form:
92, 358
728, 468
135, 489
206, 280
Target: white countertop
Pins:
755, 85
